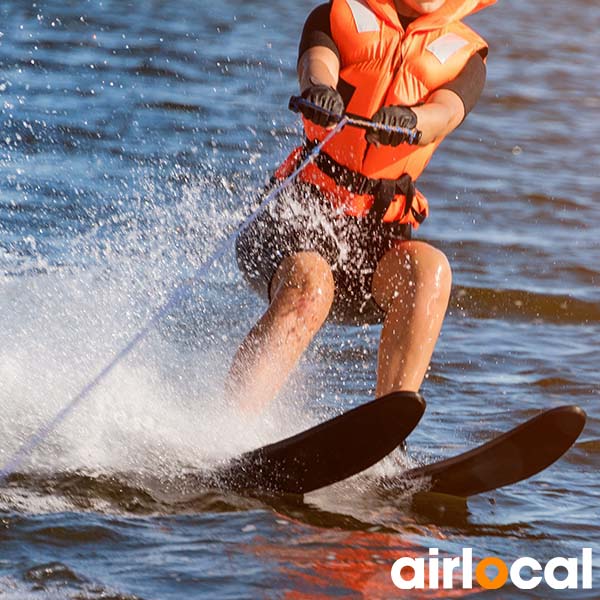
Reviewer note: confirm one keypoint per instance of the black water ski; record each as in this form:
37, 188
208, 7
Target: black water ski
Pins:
329, 452
509, 458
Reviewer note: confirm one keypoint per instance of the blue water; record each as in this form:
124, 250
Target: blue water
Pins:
133, 138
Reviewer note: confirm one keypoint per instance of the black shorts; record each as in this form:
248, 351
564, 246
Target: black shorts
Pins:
300, 219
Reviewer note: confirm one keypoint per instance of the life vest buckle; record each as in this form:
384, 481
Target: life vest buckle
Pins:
359, 185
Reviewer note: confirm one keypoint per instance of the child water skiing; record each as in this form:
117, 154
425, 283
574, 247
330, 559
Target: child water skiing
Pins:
339, 242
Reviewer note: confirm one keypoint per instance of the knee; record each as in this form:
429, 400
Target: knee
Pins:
412, 268
304, 282
432, 268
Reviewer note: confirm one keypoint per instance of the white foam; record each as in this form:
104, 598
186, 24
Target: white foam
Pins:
160, 407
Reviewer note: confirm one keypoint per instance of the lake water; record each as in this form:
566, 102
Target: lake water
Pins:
133, 138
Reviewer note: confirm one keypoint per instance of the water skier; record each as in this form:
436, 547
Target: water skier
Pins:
339, 242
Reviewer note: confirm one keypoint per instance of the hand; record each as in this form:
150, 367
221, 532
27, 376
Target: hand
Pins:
326, 98
392, 116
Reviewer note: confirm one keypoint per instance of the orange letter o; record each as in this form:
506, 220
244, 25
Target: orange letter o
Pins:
482, 578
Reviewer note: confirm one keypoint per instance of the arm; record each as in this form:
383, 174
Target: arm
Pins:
318, 61
447, 107
443, 112
318, 65
318, 69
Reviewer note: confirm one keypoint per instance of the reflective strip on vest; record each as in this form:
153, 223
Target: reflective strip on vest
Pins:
364, 17
443, 48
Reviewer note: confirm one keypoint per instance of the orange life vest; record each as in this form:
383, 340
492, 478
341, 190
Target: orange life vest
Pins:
382, 64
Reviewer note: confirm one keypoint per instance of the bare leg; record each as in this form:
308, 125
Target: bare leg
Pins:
302, 294
412, 284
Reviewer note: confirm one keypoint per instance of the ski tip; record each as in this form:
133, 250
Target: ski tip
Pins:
569, 419
508, 458
392, 415
413, 399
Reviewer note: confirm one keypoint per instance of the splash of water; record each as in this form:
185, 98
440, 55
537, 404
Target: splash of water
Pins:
162, 407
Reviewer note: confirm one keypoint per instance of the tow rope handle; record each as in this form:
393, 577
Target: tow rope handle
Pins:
413, 135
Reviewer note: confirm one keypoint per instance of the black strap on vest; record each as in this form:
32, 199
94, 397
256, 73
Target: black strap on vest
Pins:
383, 190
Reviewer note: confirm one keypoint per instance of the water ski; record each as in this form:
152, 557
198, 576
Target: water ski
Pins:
329, 452
511, 457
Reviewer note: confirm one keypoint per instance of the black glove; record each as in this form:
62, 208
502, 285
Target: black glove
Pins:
324, 97
393, 116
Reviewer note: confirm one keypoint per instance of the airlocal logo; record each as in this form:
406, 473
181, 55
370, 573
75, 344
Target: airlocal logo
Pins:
525, 573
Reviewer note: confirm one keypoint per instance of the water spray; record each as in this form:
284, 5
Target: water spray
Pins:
181, 289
